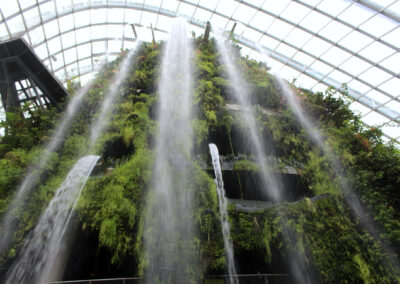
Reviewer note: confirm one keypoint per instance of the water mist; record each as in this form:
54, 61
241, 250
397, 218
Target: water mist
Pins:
169, 232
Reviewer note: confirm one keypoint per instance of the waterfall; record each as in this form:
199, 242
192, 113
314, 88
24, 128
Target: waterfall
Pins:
240, 91
30, 180
271, 184
111, 96
40, 252
168, 231
226, 231
349, 195
41, 255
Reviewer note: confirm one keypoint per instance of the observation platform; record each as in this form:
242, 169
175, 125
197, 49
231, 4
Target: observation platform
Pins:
25, 80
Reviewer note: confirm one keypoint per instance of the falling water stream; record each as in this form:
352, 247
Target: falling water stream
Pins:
31, 178
349, 195
111, 96
37, 256
271, 184
40, 258
226, 231
169, 232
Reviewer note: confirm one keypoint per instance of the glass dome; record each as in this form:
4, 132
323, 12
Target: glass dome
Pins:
317, 43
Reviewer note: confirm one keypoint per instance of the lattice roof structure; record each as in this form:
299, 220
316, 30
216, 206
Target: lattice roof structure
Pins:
318, 43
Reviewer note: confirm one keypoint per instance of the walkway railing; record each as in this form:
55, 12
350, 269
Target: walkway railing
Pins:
212, 279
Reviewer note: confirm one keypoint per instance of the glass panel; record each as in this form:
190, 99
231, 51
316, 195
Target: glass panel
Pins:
355, 41
358, 86
354, 66
356, 14
210, 4
58, 61
82, 18
298, 37
392, 63
374, 76
280, 29
164, 23
186, 9
98, 32
114, 31
339, 76
63, 6
377, 96
26, 3
82, 35
359, 108
274, 6
391, 87
392, 129
54, 45
68, 39
335, 56
316, 46
132, 16
116, 15
225, 8
32, 17
149, 18
170, 5
288, 73
10, 8
41, 51
84, 51
393, 37
154, 3
244, 13
268, 42
70, 55
262, 21
321, 68
378, 25
391, 109
47, 10
374, 118
51, 29
335, 31
376, 51
98, 15
286, 50
66, 23
202, 14
303, 58
314, 21
99, 47
304, 81
15, 24
37, 35
114, 45
295, 12
333, 8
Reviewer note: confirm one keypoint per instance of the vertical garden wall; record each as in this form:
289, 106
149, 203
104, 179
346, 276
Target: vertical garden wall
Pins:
111, 210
